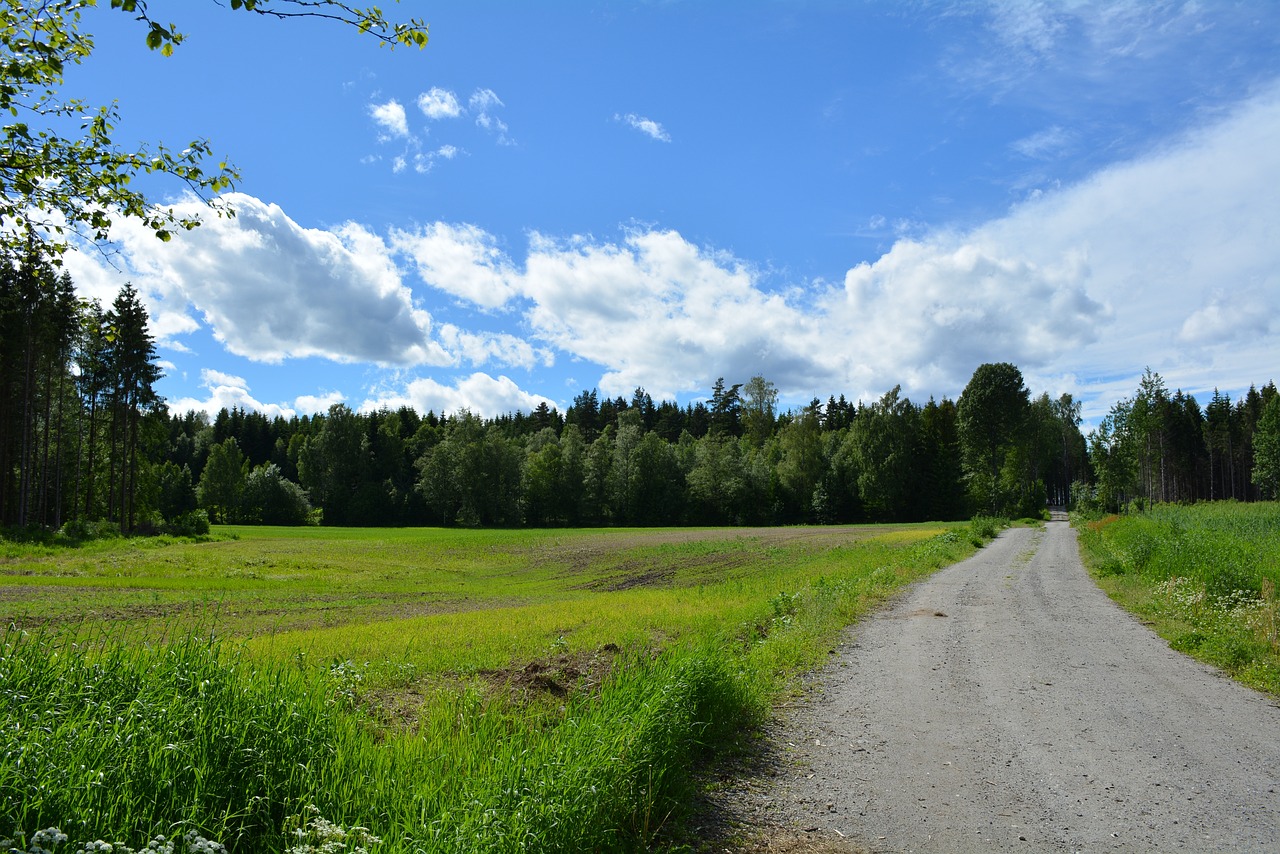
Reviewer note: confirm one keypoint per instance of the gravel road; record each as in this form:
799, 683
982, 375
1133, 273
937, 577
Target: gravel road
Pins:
1006, 704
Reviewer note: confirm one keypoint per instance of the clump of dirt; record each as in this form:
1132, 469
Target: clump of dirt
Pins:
550, 681
562, 676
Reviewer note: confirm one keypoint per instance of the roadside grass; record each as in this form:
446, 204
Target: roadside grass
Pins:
560, 696
1203, 576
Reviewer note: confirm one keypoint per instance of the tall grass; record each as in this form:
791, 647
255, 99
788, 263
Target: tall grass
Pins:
1205, 575
115, 739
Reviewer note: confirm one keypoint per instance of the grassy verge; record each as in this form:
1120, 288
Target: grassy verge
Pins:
1203, 576
565, 708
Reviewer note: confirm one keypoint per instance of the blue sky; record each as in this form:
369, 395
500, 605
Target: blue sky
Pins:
839, 196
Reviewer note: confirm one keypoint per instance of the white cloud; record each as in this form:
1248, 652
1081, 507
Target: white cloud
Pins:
227, 391
659, 312
646, 126
1101, 278
480, 393
438, 103
1171, 260
483, 100
482, 104
313, 404
1232, 317
461, 260
494, 348
1120, 271
1022, 44
391, 118
271, 289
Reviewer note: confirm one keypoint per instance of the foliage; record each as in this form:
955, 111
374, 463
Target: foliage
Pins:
1266, 449
272, 499
992, 414
76, 401
193, 523
1157, 446
64, 172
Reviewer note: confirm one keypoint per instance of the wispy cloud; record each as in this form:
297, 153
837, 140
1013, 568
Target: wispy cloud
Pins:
482, 104
648, 127
1044, 144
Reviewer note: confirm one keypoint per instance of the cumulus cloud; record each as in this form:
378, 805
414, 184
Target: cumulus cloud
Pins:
313, 404
1170, 260
462, 260
1098, 279
437, 103
479, 348
480, 393
271, 289
1229, 317
227, 391
646, 126
662, 313
390, 117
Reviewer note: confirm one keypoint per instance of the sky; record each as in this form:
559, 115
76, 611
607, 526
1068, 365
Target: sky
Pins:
841, 197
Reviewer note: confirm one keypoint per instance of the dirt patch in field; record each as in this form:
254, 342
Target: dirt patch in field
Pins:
546, 682
647, 578
593, 553
558, 676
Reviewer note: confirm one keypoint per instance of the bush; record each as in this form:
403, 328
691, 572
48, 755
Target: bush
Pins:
983, 528
194, 523
84, 530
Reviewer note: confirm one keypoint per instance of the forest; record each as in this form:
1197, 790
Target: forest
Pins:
87, 445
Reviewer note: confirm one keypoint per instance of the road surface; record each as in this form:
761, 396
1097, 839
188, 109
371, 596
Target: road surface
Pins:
1006, 704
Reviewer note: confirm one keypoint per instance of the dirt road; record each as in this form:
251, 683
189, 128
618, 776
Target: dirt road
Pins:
1007, 704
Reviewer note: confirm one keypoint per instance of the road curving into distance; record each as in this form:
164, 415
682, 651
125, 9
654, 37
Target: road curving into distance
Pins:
1006, 704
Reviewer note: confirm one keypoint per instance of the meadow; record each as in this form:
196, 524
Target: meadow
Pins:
1204, 576
412, 689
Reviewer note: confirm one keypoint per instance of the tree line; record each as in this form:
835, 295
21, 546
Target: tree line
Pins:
84, 439
1161, 446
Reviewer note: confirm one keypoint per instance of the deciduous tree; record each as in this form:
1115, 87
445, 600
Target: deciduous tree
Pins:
991, 413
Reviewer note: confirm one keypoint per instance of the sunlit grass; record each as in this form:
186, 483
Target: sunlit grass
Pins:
449, 690
1203, 576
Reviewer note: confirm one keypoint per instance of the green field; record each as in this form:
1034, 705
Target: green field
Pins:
1204, 576
448, 690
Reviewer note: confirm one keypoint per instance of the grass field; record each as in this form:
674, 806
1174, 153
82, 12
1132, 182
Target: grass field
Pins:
1204, 576
448, 690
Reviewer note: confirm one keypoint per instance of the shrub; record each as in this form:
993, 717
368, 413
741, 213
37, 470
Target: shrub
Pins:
193, 523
